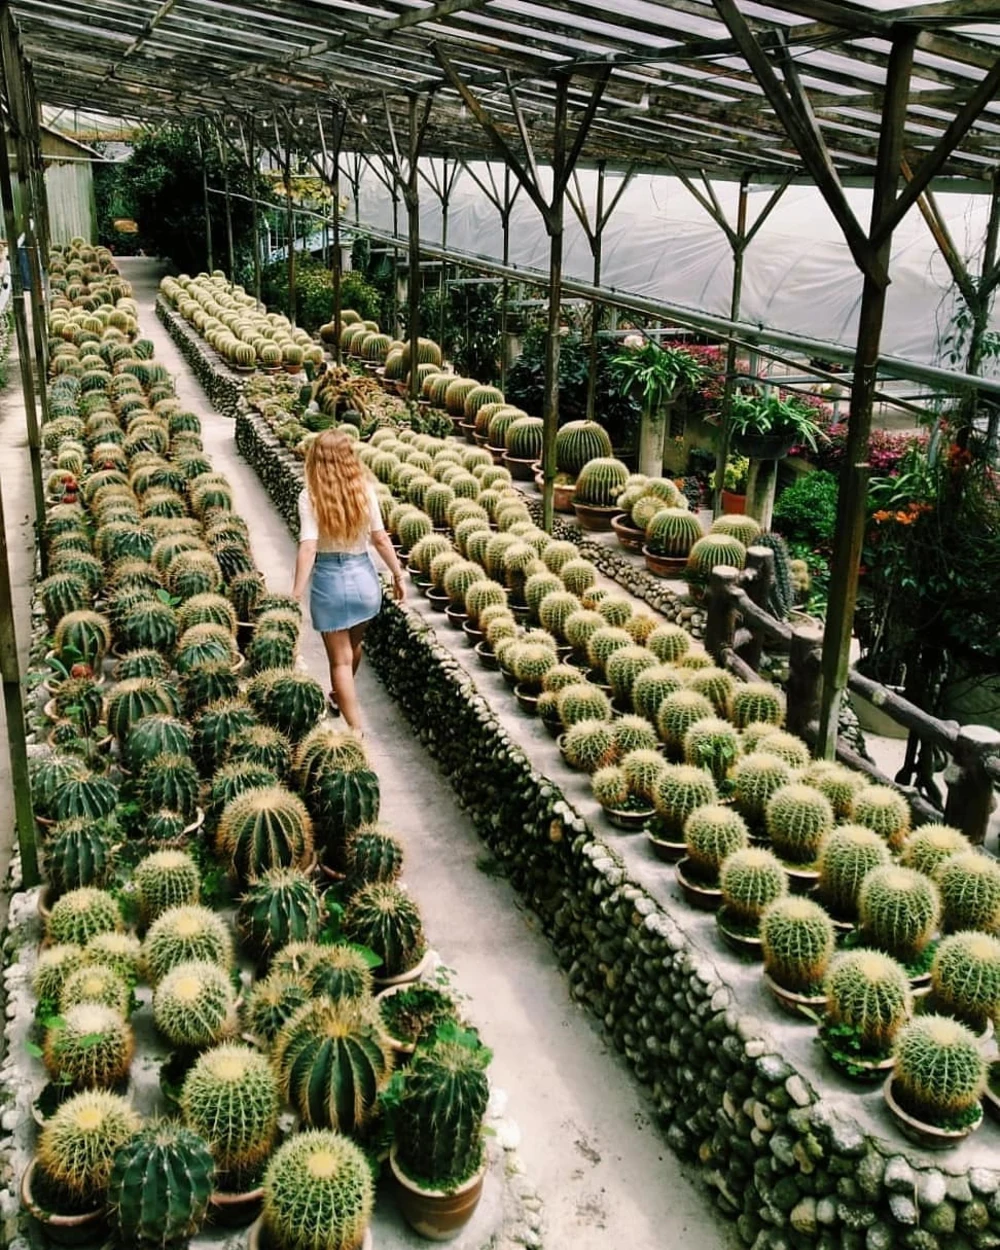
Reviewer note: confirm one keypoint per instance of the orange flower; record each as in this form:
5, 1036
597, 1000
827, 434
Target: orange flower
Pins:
905, 518
881, 516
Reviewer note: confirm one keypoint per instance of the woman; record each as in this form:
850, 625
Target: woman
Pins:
338, 516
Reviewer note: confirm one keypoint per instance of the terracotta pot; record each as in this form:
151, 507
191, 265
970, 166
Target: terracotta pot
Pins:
664, 566
509, 676
472, 634
801, 880
486, 657
553, 727
927, 1135
562, 493
742, 943
438, 600
631, 538
258, 1239
424, 965
437, 1214
456, 617
663, 848
703, 897
227, 1210
733, 504
497, 453
802, 1006
629, 821
594, 518
528, 702
402, 1050
87, 1228
520, 470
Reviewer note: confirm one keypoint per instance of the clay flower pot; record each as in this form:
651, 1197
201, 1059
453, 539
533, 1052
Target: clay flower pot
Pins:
456, 616
424, 965
562, 492
258, 1239
930, 1136
88, 1227
437, 1214
629, 821
228, 1210
697, 893
664, 566
520, 470
594, 517
803, 1006
629, 536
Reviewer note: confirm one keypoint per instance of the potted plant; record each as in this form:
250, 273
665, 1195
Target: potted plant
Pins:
798, 819
750, 879
679, 792
598, 485
711, 834
439, 1158
670, 535
937, 1080
412, 1012
65, 1186
160, 1186
624, 807
900, 910
318, 1191
797, 937
965, 980
384, 918
868, 1000
577, 442
767, 427
846, 857
654, 376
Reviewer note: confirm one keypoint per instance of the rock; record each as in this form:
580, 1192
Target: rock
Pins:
974, 1217
940, 1219
904, 1210
871, 1170
826, 1211
803, 1217
798, 1091
899, 1177
880, 1237
931, 1189
983, 1181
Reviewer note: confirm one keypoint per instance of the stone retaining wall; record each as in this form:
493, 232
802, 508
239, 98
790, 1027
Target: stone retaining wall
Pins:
223, 385
794, 1169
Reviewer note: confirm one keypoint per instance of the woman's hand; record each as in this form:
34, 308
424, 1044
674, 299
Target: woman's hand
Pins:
398, 588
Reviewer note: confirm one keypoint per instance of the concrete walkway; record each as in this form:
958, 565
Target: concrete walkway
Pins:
605, 1175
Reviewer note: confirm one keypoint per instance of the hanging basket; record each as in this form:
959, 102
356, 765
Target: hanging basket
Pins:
764, 446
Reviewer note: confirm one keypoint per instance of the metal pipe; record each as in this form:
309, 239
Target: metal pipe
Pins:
597, 251
412, 194
204, 191
729, 386
505, 288
255, 213
338, 133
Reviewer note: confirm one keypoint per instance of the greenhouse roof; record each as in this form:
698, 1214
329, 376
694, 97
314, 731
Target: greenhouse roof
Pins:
704, 85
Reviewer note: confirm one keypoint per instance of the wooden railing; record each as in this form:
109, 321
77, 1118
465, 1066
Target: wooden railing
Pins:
738, 630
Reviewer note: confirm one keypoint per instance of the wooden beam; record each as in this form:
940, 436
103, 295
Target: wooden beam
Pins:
583, 128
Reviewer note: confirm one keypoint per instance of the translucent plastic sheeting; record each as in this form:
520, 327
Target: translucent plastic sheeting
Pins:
660, 243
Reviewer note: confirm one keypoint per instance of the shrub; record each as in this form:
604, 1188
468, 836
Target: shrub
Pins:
806, 511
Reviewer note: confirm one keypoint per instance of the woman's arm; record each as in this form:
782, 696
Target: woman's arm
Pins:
381, 543
304, 562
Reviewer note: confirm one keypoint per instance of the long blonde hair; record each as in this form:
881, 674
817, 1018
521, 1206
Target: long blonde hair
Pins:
337, 486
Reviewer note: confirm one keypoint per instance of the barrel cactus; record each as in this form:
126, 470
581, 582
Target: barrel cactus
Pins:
870, 993
121, 952
150, 625
60, 594
965, 978
970, 893
939, 1072
927, 848
523, 439
737, 525
152, 736
708, 553
558, 553
384, 918
55, 965
668, 643
318, 1193
588, 744
750, 879
582, 701
90, 1048
642, 769
624, 666
79, 1141
677, 713
326, 749
610, 788
265, 828
160, 1186
798, 818
333, 1060
282, 905
672, 532
713, 744
339, 801
711, 834
80, 915
846, 857
577, 576
182, 934
899, 910
288, 700
79, 854
757, 701
838, 783
480, 595
652, 686
230, 1098
131, 700
681, 790
756, 778
272, 1003
169, 781
599, 482
84, 635
194, 1005
885, 812
580, 441
164, 880
797, 938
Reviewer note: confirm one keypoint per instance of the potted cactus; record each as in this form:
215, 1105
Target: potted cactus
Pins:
797, 937
531, 662
750, 880
868, 1000
160, 1186
712, 833
598, 485
439, 1157
965, 981
411, 1013
318, 1195
937, 1080
680, 790
523, 441
846, 857
65, 1186
670, 534
798, 819
384, 918
705, 555
900, 910
576, 443
624, 806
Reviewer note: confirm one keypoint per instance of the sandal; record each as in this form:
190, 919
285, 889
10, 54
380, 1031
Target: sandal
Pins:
331, 705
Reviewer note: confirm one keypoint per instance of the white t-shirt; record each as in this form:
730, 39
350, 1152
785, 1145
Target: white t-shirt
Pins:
309, 526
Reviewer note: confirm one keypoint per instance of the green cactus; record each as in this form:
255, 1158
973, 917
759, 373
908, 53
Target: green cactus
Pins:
556, 608
588, 744
384, 918
95, 983
669, 643
578, 628
230, 1098
141, 663
121, 952
131, 700
673, 532
758, 701
60, 594
580, 441
260, 746
582, 701
751, 879
624, 666
681, 790
939, 1072
708, 553
215, 727
339, 802
965, 978
927, 848
184, 934
79, 854
332, 1061
152, 736
885, 812
81, 914
633, 733
160, 1186
523, 439
756, 778
711, 834
531, 662
169, 781
652, 686
558, 553
84, 795
164, 880
287, 700
79, 1141
272, 1003
610, 787
263, 828
235, 779
244, 591
84, 634
970, 893
838, 783
717, 685
578, 576
426, 550
869, 992
324, 750
270, 650
318, 1193
207, 610
713, 744
148, 625
798, 818
746, 528
600, 481
194, 1005
642, 769
481, 594
846, 858
91, 1048
412, 528
677, 713
561, 676
603, 643
537, 588
53, 968
899, 910
280, 906
797, 938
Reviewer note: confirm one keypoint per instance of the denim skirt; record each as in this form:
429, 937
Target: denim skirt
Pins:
345, 591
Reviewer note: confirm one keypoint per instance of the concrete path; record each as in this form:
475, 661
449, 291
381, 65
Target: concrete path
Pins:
605, 1175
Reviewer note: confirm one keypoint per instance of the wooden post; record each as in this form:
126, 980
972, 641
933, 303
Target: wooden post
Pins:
254, 209
757, 581
729, 386
721, 613
554, 225
971, 799
505, 212
852, 496
224, 159
412, 195
339, 119
804, 679
209, 261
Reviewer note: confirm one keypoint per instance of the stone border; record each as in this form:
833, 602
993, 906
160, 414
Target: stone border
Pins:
792, 1169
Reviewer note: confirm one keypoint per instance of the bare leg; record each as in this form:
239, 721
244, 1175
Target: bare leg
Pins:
357, 633
340, 654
